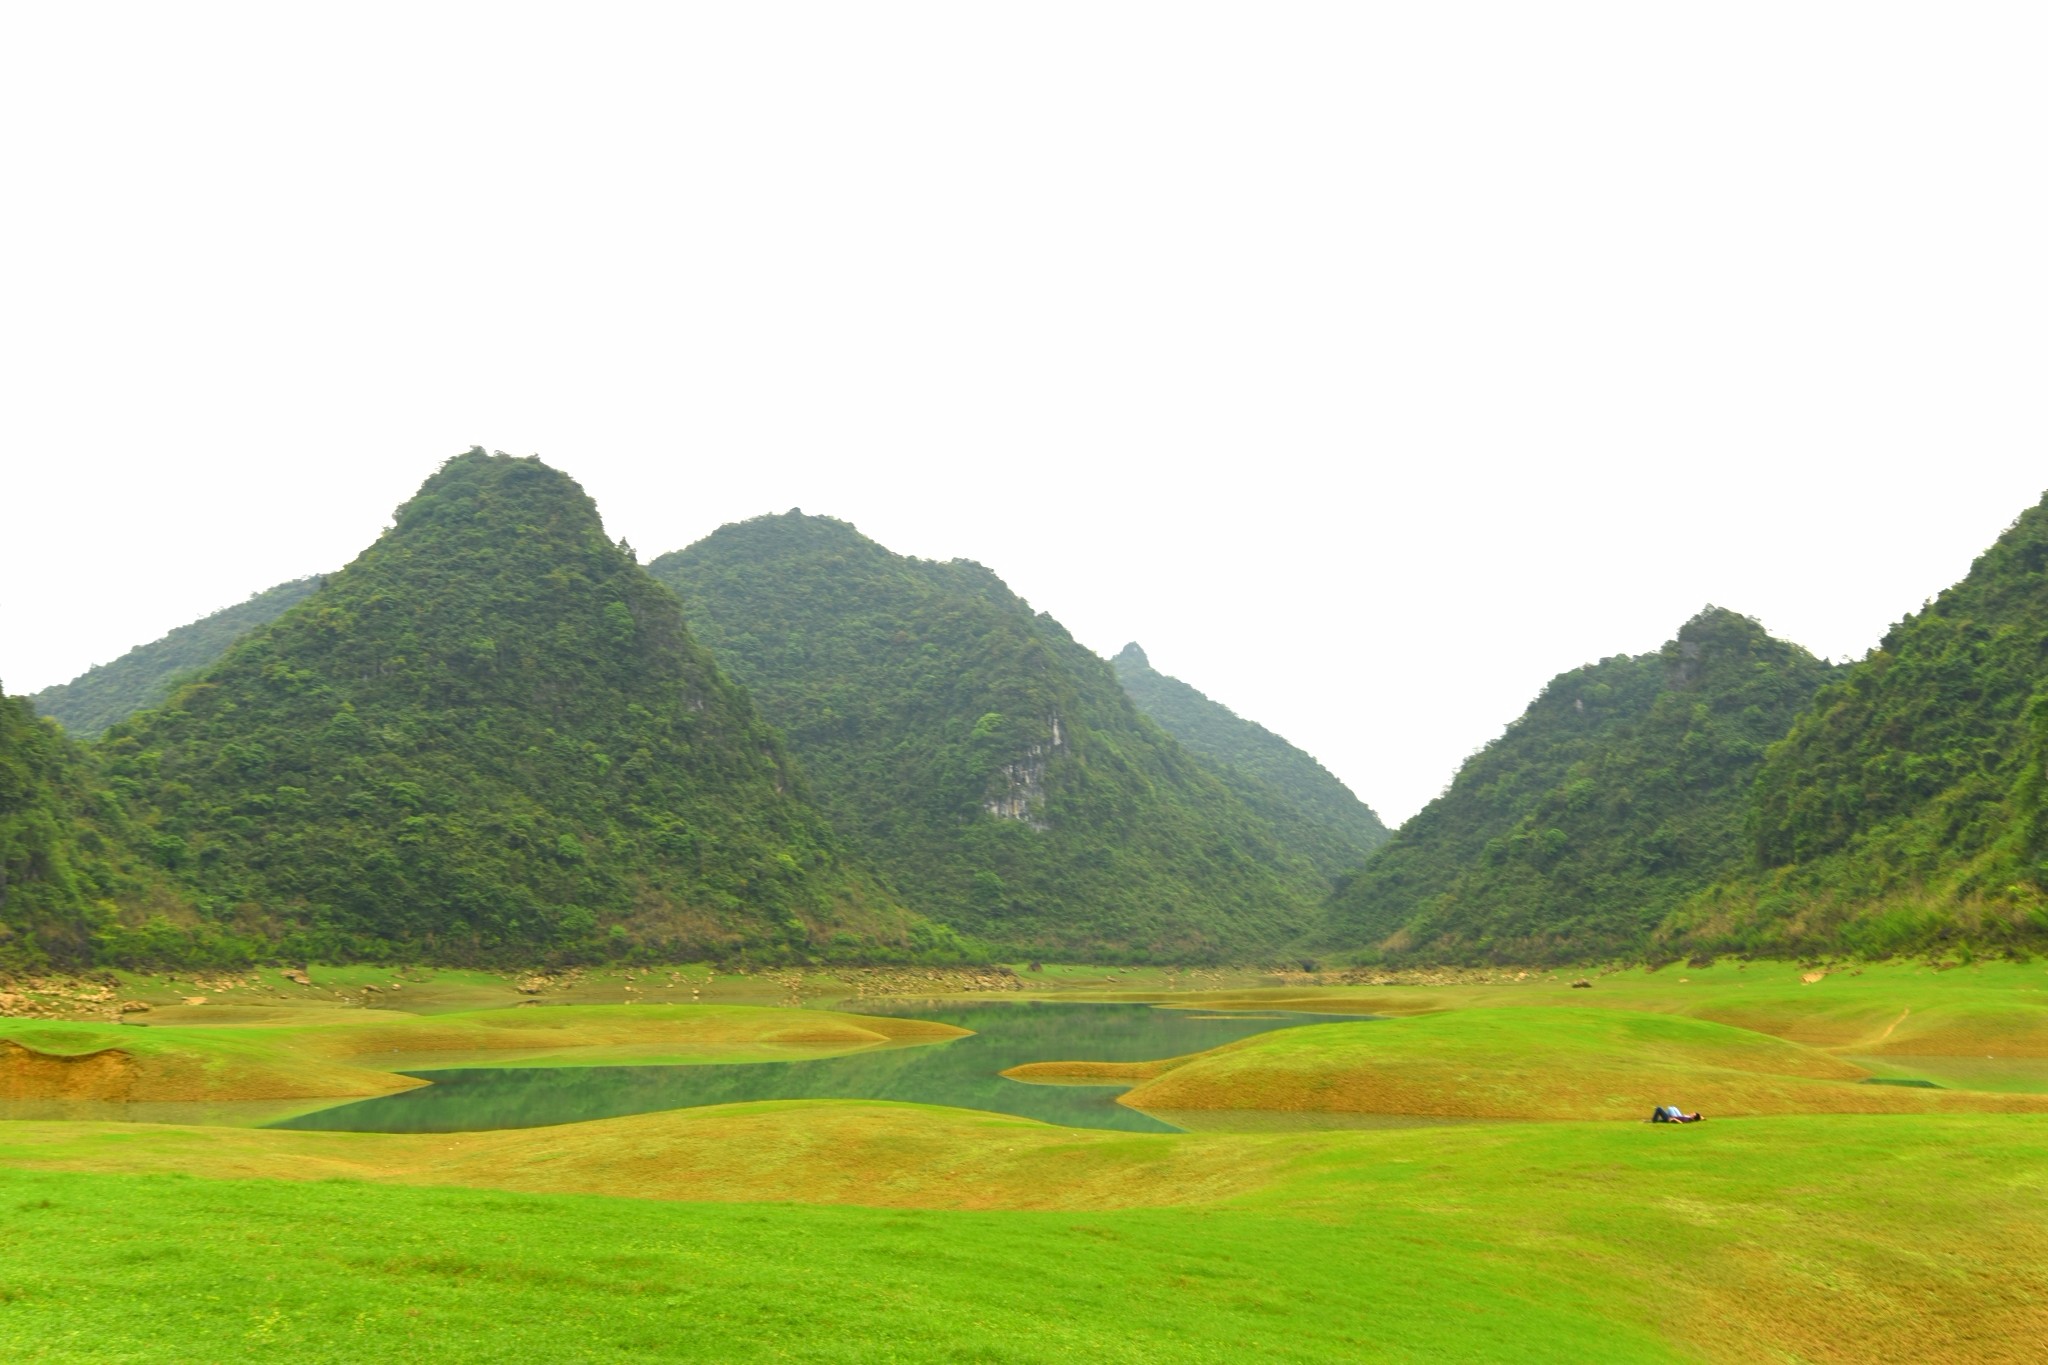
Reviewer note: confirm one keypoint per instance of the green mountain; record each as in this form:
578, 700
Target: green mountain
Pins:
993, 768
147, 674
1621, 792
490, 735
1299, 795
71, 860
1906, 806
50, 874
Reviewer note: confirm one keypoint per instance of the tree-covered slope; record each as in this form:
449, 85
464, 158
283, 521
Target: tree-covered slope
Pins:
989, 765
50, 877
1620, 792
147, 674
1907, 802
1304, 799
491, 734
70, 863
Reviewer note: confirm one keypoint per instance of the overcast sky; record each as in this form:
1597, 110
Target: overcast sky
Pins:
1369, 364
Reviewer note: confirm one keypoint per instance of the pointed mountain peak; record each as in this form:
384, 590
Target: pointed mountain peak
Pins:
1717, 643
1326, 817
1598, 811
491, 734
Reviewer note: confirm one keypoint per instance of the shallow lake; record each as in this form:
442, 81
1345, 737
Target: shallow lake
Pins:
963, 1073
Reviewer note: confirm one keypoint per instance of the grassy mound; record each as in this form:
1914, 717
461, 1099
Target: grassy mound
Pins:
809, 1151
608, 1035
273, 1053
1907, 1008
1536, 1064
110, 1063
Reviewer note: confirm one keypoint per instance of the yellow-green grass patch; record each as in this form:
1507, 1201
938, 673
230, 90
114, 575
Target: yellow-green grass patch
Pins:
810, 1151
1838, 1238
1531, 1064
294, 1054
1999, 1008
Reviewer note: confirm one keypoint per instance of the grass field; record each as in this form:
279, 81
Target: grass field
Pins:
1839, 1220
263, 1052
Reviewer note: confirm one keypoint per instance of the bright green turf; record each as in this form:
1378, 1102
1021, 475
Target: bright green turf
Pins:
1857, 1237
142, 1268
1994, 1010
1800, 1236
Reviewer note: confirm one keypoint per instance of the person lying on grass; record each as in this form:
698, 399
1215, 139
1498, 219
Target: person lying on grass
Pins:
1671, 1113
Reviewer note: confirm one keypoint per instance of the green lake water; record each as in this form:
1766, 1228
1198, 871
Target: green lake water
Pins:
964, 1073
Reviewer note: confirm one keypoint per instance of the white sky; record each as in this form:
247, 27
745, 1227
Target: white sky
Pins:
1368, 363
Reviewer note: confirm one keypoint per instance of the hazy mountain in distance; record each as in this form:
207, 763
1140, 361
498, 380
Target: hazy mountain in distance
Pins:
1285, 782
147, 674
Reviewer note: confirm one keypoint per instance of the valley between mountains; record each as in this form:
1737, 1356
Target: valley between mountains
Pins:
792, 949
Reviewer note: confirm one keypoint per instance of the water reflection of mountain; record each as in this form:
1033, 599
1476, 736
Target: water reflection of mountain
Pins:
964, 1073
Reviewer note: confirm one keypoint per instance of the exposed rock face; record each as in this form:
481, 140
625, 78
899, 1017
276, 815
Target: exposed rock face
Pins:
1022, 796
982, 759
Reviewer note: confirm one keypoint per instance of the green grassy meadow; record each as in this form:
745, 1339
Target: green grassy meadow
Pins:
1815, 1216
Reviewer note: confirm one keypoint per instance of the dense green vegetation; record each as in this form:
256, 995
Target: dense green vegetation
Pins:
494, 735
491, 734
983, 760
1906, 805
147, 675
1317, 813
42, 905
63, 847
1621, 792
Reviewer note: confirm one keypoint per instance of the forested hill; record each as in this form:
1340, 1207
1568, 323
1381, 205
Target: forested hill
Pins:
1620, 792
489, 735
147, 674
56, 863
991, 766
1906, 805
44, 890
1287, 784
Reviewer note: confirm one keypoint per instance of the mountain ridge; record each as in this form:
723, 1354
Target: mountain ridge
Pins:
147, 674
1908, 807
1275, 776
990, 765
1618, 794
490, 734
